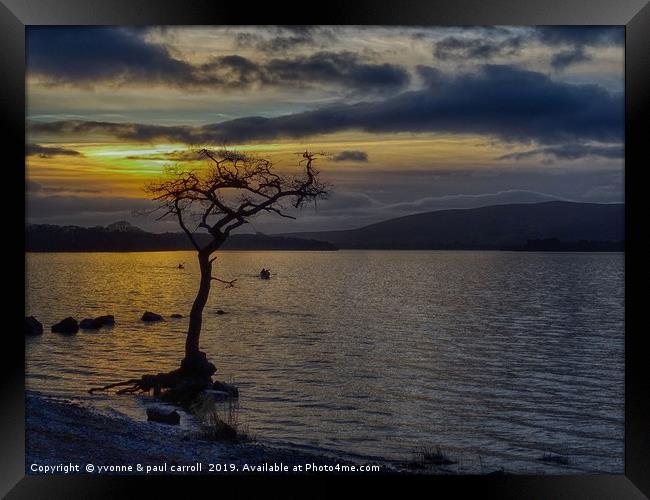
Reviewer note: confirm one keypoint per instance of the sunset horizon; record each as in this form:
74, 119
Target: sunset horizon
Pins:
413, 119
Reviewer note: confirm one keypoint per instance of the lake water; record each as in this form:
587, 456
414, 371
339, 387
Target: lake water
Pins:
497, 357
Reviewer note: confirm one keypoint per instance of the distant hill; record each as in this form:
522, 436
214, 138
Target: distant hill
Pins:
491, 228
548, 226
123, 237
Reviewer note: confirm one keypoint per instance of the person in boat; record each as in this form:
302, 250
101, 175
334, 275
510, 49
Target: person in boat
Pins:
265, 274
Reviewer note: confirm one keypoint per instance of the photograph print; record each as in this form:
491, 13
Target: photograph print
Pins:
333, 249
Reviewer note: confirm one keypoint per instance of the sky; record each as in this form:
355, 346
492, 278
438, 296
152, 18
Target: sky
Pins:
412, 119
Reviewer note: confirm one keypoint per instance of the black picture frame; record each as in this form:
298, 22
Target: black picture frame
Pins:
634, 14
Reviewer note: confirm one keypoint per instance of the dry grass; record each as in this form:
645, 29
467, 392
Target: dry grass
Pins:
219, 421
427, 456
435, 456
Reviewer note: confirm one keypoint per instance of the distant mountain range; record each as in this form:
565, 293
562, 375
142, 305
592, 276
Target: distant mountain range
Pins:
548, 226
512, 227
123, 237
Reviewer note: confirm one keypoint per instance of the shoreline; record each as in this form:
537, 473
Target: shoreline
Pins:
64, 437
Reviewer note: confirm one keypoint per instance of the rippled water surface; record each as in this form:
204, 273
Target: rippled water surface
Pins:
497, 357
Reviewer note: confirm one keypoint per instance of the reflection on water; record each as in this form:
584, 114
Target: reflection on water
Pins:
497, 355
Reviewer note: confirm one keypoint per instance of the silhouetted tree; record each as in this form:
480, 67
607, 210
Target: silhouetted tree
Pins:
216, 200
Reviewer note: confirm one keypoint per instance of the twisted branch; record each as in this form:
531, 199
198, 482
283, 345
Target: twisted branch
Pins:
229, 283
207, 195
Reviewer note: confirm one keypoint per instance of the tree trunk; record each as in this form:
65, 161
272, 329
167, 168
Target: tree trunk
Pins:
196, 314
184, 384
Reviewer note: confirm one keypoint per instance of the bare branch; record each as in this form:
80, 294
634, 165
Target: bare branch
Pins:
179, 214
240, 222
229, 283
279, 212
231, 190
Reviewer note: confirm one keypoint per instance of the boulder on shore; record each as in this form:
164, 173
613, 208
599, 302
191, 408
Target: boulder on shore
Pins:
176, 315
33, 326
149, 316
171, 417
89, 324
67, 325
229, 389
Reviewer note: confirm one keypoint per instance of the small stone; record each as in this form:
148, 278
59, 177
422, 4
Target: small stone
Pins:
221, 311
176, 315
163, 416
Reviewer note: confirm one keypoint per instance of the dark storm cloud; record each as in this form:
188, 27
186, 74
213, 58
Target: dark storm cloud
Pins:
499, 101
85, 56
49, 151
561, 60
233, 71
580, 35
575, 38
127, 131
88, 55
481, 48
285, 38
571, 152
351, 155
342, 68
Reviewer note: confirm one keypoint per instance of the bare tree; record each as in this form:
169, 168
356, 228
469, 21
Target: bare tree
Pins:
215, 201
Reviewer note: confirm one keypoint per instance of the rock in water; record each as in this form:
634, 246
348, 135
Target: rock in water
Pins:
220, 311
149, 316
107, 320
33, 326
67, 325
90, 324
229, 389
217, 396
170, 417
176, 315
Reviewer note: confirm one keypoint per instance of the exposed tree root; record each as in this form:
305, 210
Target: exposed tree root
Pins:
179, 386
134, 383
